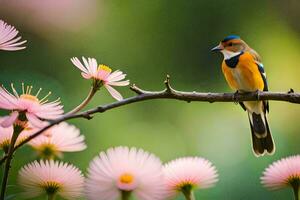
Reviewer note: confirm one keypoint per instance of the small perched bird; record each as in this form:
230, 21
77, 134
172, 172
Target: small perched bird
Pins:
244, 72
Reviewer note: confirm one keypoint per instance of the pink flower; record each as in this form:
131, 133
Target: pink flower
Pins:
6, 135
60, 138
188, 173
8, 39
46, 18
282, 173
123, 171
51, 178
102, 75
28, 107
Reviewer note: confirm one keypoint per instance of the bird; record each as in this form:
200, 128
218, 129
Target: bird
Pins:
244, 72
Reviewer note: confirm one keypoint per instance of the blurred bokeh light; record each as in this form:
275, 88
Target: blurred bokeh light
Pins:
147, 40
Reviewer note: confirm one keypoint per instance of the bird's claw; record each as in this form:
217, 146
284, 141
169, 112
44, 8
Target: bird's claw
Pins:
257, 93
235, 97
291, 91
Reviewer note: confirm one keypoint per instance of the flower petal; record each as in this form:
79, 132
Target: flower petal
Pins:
86, 76
120, 83
35, 176
114, 93
117, 77
9, 120
8, 39
90, 65
35, 121
78, 64
7, 100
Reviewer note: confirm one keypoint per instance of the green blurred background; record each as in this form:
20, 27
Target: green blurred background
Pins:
147, 40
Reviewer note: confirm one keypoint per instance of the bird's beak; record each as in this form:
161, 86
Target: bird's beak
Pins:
217, 48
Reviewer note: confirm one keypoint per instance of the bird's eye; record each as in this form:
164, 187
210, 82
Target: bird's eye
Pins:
230, 44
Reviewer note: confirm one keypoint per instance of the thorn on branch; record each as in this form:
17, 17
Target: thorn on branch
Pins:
169, 89
136, 89
87, 116
291, 91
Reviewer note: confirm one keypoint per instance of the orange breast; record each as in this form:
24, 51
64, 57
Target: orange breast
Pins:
245, 76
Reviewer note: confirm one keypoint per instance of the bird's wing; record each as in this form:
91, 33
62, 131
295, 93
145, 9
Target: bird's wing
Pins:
255, 55
262, 73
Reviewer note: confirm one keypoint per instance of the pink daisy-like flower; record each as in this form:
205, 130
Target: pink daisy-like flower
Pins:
102, 75
283, 173
8, 39
28, 107
185, 174
6, 135
60, 138
51, 178
123, 171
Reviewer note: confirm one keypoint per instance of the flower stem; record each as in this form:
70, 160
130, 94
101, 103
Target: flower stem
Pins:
125, 195
51, 196
190, 196
89, 97
295, 184
17, 131
188, 192
3, 159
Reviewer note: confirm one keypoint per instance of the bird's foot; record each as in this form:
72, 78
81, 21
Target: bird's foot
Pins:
291, 91
235, 97
257, 94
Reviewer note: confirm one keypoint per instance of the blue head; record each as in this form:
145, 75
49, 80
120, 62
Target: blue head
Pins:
231, 43
231, 37
230, 46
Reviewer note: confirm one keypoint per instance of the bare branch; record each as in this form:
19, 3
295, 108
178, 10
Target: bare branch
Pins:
170, 93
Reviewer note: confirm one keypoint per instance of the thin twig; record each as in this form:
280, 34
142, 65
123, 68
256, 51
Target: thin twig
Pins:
170, 93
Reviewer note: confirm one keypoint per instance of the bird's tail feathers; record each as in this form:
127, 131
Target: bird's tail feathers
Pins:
258, 123
262, 141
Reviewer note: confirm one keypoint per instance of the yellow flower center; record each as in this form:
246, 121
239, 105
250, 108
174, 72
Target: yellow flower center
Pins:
126, 178
51, 187
184, 185
4, 145
48, 151
295, 178
29, 97
105, 68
